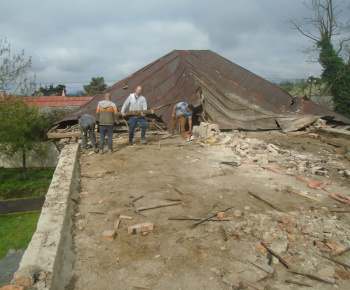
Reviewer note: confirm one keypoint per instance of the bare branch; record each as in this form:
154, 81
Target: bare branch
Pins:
324, 23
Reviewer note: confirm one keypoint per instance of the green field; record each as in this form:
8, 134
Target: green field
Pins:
16, 231
35, 185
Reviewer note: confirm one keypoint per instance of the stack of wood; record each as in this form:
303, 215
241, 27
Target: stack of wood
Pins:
153, 124
69, 131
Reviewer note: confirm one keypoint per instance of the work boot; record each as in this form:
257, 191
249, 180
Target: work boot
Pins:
130, 143
143, 141
101, 152
96, 150
110, 151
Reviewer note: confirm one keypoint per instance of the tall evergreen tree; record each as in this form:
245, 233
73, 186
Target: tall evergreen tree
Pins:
96, 86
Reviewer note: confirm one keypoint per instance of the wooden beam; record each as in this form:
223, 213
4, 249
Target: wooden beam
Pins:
335, 133
63, 135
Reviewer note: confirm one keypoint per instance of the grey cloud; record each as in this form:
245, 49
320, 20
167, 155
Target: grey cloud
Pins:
73, 41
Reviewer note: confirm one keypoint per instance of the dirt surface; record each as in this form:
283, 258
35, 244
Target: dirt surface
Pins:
214, 254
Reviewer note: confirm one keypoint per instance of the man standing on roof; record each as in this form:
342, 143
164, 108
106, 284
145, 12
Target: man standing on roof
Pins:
136, 102
180, 112
87, 124
107, 116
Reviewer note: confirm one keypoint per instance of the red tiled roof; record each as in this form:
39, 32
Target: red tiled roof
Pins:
56, 101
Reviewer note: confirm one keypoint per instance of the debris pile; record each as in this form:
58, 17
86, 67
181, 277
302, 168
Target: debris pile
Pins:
257, 151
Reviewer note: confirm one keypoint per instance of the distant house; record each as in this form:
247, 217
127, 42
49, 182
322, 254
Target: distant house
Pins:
57, 103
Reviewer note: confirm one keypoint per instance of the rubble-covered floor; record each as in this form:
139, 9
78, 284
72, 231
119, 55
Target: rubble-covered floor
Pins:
214, 254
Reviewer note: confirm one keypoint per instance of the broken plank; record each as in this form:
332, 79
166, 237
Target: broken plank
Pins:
137, 198
277, 256
337, 262
125, 217
158, 206
198, 219
208, 218
297, 283
304, 195
117, 223
311, 277
267, 202
342, 252
63, 135
335, 132
263, 266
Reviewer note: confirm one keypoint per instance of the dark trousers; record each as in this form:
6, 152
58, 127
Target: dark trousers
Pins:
88, 126
106, 130
132, 125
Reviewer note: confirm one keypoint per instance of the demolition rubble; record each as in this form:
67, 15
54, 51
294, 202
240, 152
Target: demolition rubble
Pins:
223, 210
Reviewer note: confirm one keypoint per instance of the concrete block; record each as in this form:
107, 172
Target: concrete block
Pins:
205, 129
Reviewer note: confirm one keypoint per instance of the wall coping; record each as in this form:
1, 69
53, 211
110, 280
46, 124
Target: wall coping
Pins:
48, 261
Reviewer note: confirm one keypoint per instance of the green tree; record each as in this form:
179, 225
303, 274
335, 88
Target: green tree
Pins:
51, 90
21, 129
337, 75
96, 86
14, 78
330, 39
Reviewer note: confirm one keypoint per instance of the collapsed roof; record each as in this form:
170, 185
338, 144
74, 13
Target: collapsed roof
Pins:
228, 95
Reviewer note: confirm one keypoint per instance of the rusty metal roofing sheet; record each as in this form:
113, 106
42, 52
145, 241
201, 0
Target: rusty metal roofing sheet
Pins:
230, 95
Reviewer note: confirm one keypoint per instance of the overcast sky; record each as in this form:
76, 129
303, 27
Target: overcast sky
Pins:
71, 41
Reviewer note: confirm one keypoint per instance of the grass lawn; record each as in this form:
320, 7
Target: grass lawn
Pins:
35, 185
16, 231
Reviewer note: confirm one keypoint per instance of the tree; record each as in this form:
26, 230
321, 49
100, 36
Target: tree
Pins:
51, 90
324, 24
96, 86
14, 78
337, 75
324, 30
21, 129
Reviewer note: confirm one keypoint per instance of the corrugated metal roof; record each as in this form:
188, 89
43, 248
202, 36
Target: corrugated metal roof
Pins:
230, 95
56, 101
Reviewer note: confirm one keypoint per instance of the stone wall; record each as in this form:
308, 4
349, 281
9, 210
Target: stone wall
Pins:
48, 261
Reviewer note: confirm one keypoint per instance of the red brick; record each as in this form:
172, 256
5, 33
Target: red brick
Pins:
220, 214
260, 247
286, 220
109, 235
291, 238
139, 228
339, 151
